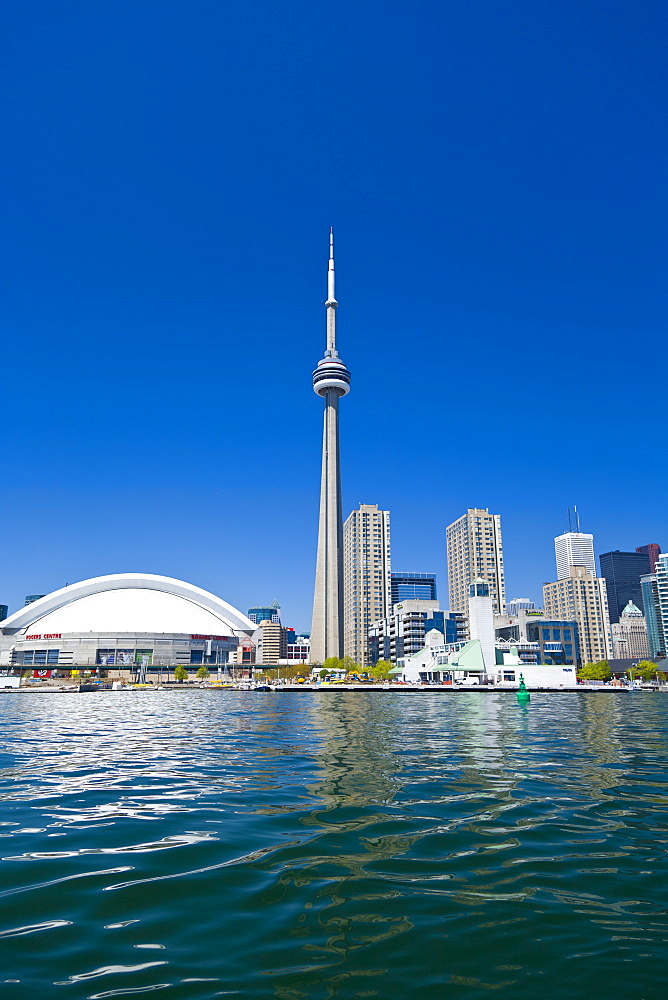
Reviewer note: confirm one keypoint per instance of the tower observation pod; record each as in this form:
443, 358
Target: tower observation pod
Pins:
331, 380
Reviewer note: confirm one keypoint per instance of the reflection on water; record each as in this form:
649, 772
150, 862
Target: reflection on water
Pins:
333, 845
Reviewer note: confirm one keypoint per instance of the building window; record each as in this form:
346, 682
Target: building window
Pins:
40, 656
114, 657
52, 655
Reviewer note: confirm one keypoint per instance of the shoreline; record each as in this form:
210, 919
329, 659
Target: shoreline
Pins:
333, 688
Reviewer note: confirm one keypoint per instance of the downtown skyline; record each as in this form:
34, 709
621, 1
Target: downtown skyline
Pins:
498, 257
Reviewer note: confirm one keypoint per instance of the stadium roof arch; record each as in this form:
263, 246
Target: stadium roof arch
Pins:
129, 602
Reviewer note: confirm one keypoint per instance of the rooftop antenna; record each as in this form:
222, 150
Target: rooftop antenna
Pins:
577, 519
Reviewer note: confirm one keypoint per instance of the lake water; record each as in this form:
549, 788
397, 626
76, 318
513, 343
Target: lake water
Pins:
341, 845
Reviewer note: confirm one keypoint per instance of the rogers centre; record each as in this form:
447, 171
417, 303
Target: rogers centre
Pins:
122, 622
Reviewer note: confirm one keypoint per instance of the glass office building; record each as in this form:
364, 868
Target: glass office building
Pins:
412, 587
621, 572
557, 641
654, 587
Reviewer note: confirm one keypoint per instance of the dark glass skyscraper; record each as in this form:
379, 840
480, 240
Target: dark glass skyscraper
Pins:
622, 572
412, 587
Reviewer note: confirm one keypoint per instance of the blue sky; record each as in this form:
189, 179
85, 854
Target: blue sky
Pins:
495, 174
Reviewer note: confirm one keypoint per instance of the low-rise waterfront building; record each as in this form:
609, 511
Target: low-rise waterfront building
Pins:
464, 663
403, 632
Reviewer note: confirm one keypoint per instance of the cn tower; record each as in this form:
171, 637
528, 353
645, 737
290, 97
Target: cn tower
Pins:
331, 380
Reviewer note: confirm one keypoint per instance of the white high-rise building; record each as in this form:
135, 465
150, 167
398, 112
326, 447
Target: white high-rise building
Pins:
629, 634
331, 380
366, 577
475, 549
582, 598
574, 548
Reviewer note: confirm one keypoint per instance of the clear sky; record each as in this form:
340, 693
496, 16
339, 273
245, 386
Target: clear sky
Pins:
495, 175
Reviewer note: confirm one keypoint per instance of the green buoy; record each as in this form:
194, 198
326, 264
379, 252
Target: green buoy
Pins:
523, 695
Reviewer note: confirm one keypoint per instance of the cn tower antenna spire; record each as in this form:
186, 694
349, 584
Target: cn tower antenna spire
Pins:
331, 302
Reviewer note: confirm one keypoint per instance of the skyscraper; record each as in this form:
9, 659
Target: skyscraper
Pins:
412, 587
366, 576
653, 551
656, 626
331, 380
475, 550
622, 572
662, 595
574, 548
581, 598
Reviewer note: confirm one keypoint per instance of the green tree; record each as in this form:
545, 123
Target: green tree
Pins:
180, 674
203, 673
323, 674
349, 665
646, 670
595, 671
294, 670
381, 671
332, 663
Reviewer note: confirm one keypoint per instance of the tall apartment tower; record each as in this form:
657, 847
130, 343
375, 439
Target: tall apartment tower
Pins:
574, 548
475, 551
657, 625
366, 577
582, 598
331, 380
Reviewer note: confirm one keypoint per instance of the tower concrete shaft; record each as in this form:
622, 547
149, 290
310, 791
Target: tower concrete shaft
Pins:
331, 380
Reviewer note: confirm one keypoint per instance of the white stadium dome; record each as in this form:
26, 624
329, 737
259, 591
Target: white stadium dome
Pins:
129, 602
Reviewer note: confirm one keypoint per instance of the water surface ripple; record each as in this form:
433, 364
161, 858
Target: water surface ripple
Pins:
342, 844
